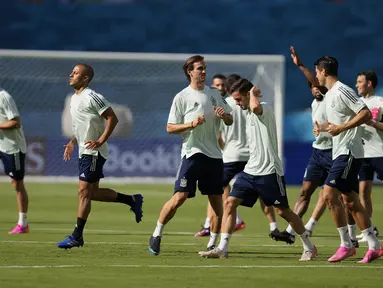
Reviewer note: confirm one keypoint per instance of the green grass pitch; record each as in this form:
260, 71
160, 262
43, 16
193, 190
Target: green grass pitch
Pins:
116, 248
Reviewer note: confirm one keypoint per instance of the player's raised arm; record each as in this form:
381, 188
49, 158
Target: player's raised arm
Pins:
310, 75
255, 105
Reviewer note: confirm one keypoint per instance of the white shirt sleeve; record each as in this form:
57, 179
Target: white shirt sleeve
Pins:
176, 112
9, 105
349, 98
98, 103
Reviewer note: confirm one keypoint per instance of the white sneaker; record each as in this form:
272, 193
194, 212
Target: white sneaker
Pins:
215, 253
309, 255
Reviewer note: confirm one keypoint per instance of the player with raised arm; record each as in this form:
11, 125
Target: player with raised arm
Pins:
235, 154
196, 113
320, 161
263, 173
345, 113
13, 149
93, 121
372, 135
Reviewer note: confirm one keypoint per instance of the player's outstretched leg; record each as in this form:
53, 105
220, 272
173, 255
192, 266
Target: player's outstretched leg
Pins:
167, 213
300, 208
309, 250
319, 209
228, 226
135, 201
22, 203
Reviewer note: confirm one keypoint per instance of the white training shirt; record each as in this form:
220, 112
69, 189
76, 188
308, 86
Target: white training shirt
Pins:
187, 105
372, 137
261, 131
342, 105
11, 140
87, 123
323, 141
236, 148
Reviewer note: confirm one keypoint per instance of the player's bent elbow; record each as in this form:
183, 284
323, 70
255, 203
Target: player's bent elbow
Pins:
169, 129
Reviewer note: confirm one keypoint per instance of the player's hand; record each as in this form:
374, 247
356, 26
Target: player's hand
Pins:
295, 57
198, 121
68, 151
91, 144
316, 129
334, 129
371, 123
256, 92
219, 111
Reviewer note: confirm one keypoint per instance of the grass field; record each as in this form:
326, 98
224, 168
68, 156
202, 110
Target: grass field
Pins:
116, 248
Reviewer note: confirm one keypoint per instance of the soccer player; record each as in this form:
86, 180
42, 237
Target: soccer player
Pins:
93, 121
372, 135
263, 173
13, 149
320, 161
345, 112
233, 142
196, 113
218, 82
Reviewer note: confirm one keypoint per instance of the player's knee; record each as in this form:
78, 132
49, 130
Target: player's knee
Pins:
179, 199
229, 205
84, 192
18, 185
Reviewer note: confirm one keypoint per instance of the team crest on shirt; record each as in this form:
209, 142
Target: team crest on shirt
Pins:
183, 182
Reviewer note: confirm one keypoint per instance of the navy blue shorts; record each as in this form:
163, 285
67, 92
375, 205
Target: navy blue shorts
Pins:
199, 167
231, 169
369, 167
90, 168
271, 188
318, 167
14, 165
343, 174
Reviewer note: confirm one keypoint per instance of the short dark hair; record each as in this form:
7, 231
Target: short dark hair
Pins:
88, 71
189, 64
242, 86
219, 76
329, 64
370, 76
230, 81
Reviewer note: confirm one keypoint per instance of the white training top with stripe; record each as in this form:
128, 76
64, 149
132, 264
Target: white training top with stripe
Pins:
323, 141
11, 140
342, 105
186, 106
86, 109
261, 131
372, 137
236, 148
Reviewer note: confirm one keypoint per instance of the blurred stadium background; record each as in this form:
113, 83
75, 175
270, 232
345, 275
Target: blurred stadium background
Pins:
144, 90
